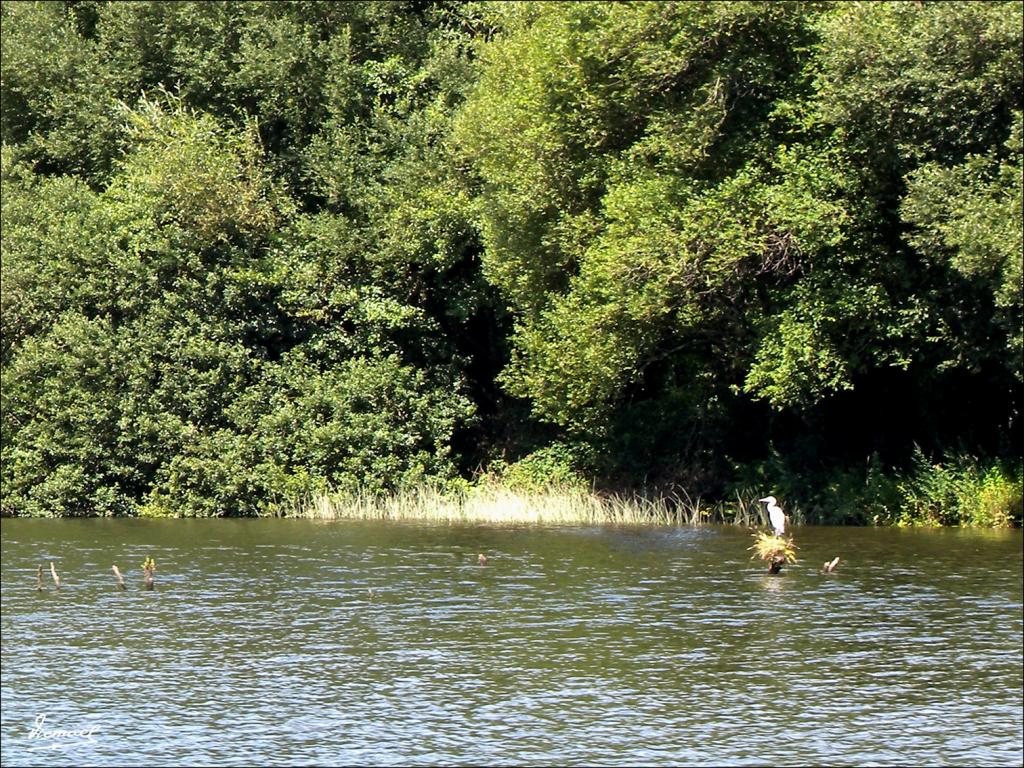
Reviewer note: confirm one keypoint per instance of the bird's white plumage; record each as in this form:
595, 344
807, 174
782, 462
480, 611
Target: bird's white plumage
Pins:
775, 514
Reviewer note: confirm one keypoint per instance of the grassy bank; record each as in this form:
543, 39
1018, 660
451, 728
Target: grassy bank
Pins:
958, 491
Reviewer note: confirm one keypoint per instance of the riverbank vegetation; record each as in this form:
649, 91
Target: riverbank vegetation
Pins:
264, 258
500, 505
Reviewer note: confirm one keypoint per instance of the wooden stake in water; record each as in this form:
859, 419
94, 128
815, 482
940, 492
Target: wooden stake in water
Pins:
39, 579
147, 568
117, 573
53, 572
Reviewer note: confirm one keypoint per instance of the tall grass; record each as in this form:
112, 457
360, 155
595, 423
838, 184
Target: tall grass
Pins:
551, 505
497, 504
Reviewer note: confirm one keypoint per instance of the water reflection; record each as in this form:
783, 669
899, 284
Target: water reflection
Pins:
773, 582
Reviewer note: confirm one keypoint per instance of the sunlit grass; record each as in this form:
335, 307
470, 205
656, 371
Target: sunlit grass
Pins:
498, 505
773, 549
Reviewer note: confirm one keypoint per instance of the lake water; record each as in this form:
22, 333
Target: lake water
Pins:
292, 642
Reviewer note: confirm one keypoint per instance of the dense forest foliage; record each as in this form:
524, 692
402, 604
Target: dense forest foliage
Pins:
256, 251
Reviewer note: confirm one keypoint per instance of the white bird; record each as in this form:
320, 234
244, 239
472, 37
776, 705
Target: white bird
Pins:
775, 514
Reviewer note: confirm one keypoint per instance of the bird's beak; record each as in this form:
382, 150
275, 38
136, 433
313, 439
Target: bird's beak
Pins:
762, 499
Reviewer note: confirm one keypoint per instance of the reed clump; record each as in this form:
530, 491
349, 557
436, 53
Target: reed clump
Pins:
496, 504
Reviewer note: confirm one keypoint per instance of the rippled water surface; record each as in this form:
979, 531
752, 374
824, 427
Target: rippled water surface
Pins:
285, 642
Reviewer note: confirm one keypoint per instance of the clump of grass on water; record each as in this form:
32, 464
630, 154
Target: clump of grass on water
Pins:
774, 550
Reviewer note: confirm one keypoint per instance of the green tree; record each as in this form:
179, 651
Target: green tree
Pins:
183, 341
968, 217
627, 155
693, 205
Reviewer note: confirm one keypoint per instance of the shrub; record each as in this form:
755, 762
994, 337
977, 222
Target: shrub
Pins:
554, 466
961, 490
